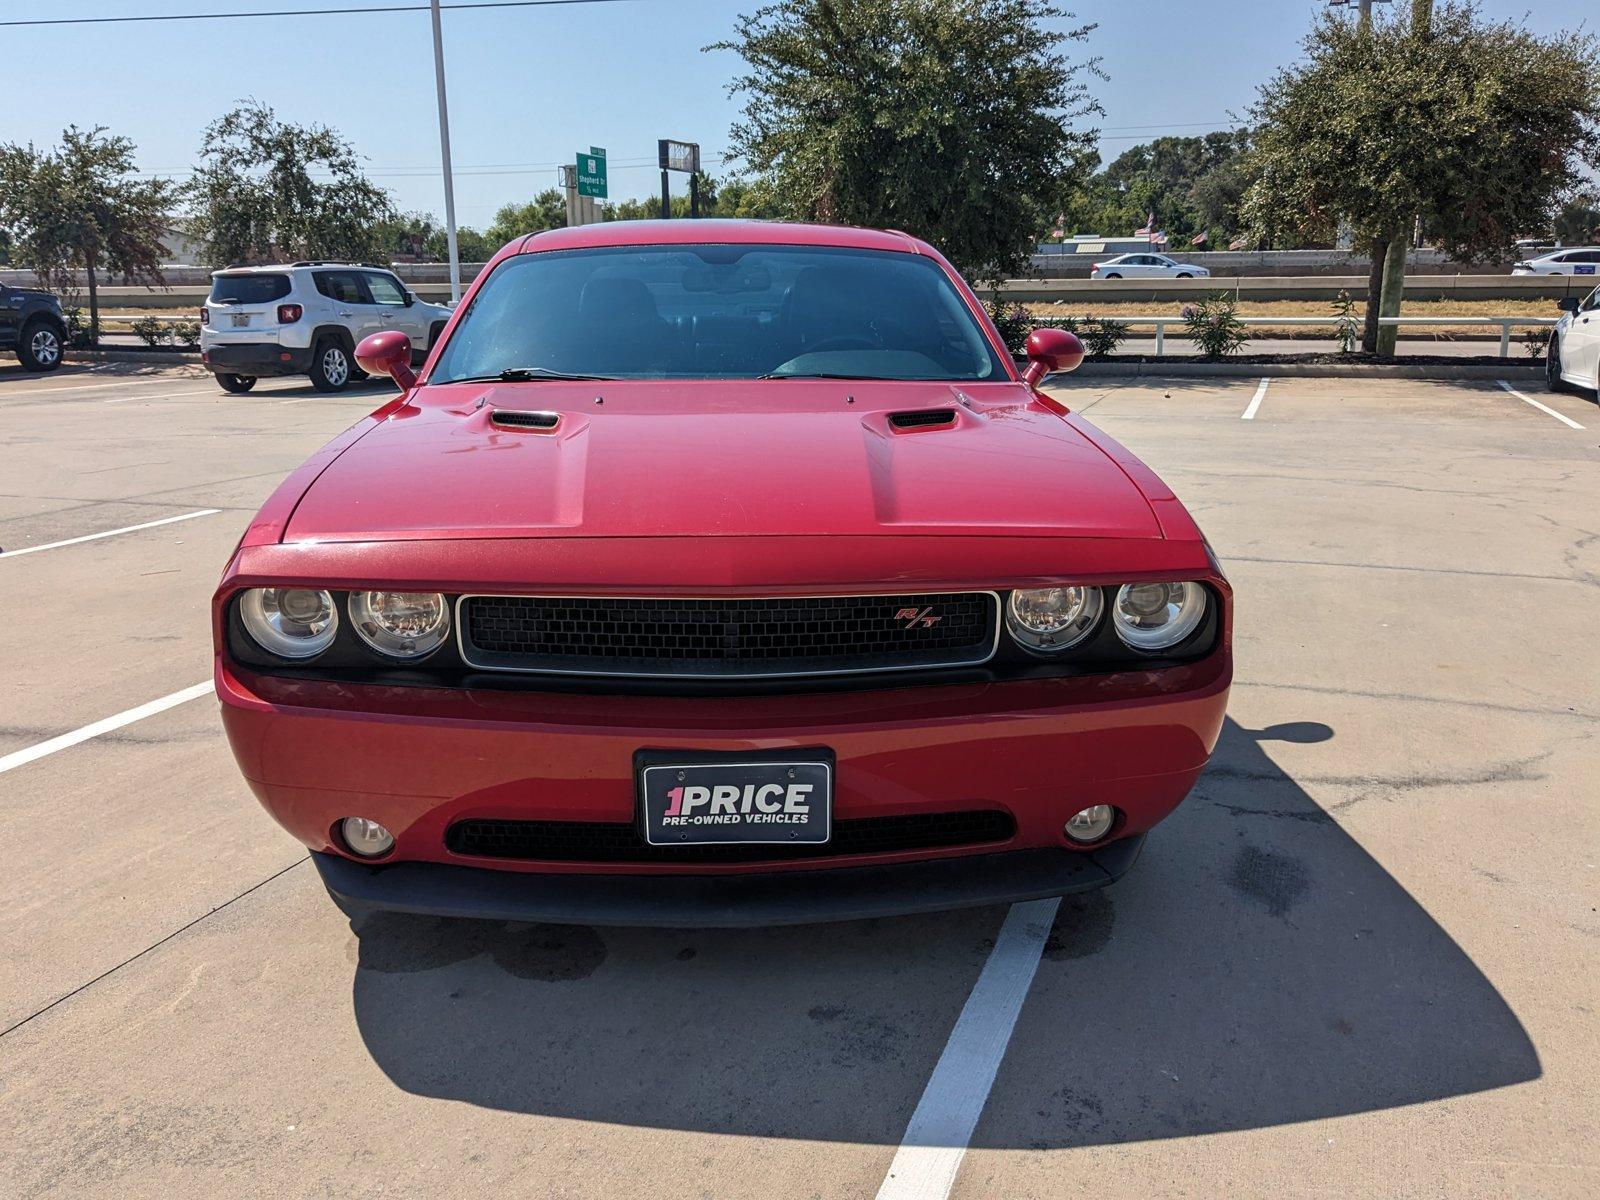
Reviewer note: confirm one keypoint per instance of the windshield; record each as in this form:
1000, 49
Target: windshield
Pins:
719, 312
248, 289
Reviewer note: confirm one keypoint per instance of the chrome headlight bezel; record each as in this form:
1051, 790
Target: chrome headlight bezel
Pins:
1135, 607
284, 624
1080, 610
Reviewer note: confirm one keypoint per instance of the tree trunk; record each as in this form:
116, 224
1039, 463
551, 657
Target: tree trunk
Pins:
1369, 330
1394, 290
94, 304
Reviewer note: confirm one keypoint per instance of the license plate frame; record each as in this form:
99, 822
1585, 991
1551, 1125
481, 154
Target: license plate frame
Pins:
657, 772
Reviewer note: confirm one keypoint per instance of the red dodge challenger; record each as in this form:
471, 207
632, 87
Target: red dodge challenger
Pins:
720, 573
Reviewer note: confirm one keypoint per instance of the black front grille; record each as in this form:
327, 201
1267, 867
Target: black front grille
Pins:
611, 842
721, 638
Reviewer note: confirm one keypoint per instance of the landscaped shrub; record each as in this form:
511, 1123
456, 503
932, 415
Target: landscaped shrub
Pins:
186, 334
1345, 327
1214, 325
77, 327
1100, 335
1013, 322
152, 331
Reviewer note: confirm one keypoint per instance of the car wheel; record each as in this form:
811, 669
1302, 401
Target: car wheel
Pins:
1111, 275
1185, 274
40, 347
330, 366
237, 384
1552, 367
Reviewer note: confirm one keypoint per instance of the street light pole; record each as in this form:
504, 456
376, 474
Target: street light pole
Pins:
444, 154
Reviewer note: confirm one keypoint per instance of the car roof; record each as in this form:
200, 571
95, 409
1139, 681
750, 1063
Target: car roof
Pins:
281, 268
755, 233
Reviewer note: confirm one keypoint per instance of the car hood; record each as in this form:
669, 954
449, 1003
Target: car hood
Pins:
721, 458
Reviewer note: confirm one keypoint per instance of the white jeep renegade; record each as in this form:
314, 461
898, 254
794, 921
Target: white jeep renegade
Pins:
306, 318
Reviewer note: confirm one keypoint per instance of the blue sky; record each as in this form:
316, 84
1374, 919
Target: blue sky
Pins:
528, 87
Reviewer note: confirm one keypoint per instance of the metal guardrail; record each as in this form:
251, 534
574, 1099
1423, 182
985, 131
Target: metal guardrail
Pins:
1504, 324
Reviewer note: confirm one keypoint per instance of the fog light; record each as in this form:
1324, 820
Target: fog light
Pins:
1090, 824
367, 838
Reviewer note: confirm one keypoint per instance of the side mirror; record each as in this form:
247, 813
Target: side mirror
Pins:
1570, 304
1050, 350
411, 298
388, 353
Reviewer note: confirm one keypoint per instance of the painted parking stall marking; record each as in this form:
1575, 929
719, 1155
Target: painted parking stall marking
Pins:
1562, 417
1255, 401
935, 1142
92, 537
28, 754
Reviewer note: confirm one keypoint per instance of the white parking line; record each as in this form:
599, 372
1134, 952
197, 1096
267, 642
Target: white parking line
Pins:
90, 537
925, 1165
1566, 420
1255, 403
165, 395
33, 753
120, 381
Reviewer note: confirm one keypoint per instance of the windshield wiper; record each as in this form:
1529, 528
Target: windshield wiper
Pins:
521, 375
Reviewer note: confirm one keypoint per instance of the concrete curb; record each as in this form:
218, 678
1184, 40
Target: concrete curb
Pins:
1399, 370
174, 358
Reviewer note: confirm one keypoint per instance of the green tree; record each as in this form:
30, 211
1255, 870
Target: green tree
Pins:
946, 118
77, 208
422, 236
753, 198
1579, 219
1479, 128
547, 210
266, 191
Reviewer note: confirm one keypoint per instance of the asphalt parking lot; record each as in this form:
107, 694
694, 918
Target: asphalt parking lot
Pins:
1362, 959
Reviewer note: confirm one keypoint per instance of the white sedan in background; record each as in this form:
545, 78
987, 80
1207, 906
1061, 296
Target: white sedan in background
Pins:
1572, 360
1569, 261
1146, 266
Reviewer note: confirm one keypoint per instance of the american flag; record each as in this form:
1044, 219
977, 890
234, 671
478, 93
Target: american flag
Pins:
1200, 238
1238, 243
1159, 238
1149, 227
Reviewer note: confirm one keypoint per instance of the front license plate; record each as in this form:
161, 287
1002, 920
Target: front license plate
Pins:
735, 799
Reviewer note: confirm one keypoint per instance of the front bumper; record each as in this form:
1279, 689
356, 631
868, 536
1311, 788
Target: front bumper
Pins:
723, 902
419, 759
255, 358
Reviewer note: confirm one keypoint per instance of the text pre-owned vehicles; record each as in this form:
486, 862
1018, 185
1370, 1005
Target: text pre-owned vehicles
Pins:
725, 573
1578, 261
305, 318
32, 326
1572, 358
1147, 266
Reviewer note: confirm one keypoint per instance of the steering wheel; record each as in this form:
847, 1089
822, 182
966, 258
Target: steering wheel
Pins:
843, 342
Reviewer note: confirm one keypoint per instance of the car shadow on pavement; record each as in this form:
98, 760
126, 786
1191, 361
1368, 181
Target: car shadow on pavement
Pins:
1256, 967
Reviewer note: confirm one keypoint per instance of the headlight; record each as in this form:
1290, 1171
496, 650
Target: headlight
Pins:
401, 624
1157, 616
1050, 620
290, 622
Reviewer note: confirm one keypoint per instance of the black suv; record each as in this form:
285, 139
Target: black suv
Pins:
32, 325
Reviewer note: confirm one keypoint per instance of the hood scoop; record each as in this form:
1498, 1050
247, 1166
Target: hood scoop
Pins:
515, 418
923, 418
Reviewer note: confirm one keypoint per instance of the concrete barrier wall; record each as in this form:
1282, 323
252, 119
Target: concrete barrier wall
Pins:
1050, 263
191, 293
